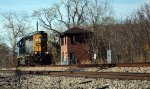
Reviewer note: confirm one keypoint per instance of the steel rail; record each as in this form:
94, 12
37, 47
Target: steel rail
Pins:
108, 75
142, 64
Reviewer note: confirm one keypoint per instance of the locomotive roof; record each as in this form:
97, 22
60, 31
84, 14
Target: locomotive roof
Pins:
30, 36
25, 38
39, 32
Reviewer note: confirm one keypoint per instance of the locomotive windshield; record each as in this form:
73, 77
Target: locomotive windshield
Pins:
41, 39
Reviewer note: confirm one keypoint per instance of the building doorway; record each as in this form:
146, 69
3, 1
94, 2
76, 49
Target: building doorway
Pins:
72, 58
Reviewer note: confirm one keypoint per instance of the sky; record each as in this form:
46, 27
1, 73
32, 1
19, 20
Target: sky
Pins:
121, 8
24, 5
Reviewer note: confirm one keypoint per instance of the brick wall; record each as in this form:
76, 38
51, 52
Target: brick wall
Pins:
64, 48
80, 51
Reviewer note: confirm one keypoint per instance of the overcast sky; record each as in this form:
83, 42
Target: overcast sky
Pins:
121, 7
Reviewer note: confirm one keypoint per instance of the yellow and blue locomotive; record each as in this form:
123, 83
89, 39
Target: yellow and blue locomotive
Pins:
32, 50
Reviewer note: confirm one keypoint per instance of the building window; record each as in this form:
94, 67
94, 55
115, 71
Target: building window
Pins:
81, 38
65, 39
72, 39
62, 41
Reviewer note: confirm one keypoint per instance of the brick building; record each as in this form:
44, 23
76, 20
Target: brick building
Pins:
74, 47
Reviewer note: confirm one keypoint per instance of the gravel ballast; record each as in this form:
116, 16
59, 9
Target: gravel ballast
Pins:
93, 69
51, 82
14, 81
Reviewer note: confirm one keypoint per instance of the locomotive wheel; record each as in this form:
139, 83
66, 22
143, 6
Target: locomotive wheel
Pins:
47, 59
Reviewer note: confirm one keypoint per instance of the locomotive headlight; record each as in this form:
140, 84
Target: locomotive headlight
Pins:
46, 52
35, 52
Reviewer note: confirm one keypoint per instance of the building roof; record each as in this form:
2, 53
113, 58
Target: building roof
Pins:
75, 30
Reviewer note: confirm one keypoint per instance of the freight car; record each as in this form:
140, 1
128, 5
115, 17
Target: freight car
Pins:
32, 50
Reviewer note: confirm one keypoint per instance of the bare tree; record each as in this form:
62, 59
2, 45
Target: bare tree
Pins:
4, 56
141, 21
130, 39
77, 13
99, 18
74, 13
102, 12
15, 25
64, 15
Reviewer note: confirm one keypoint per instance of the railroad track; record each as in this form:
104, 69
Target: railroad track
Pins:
112, 75
83, 66
40, 68
147, 64
89, 74
108, 75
